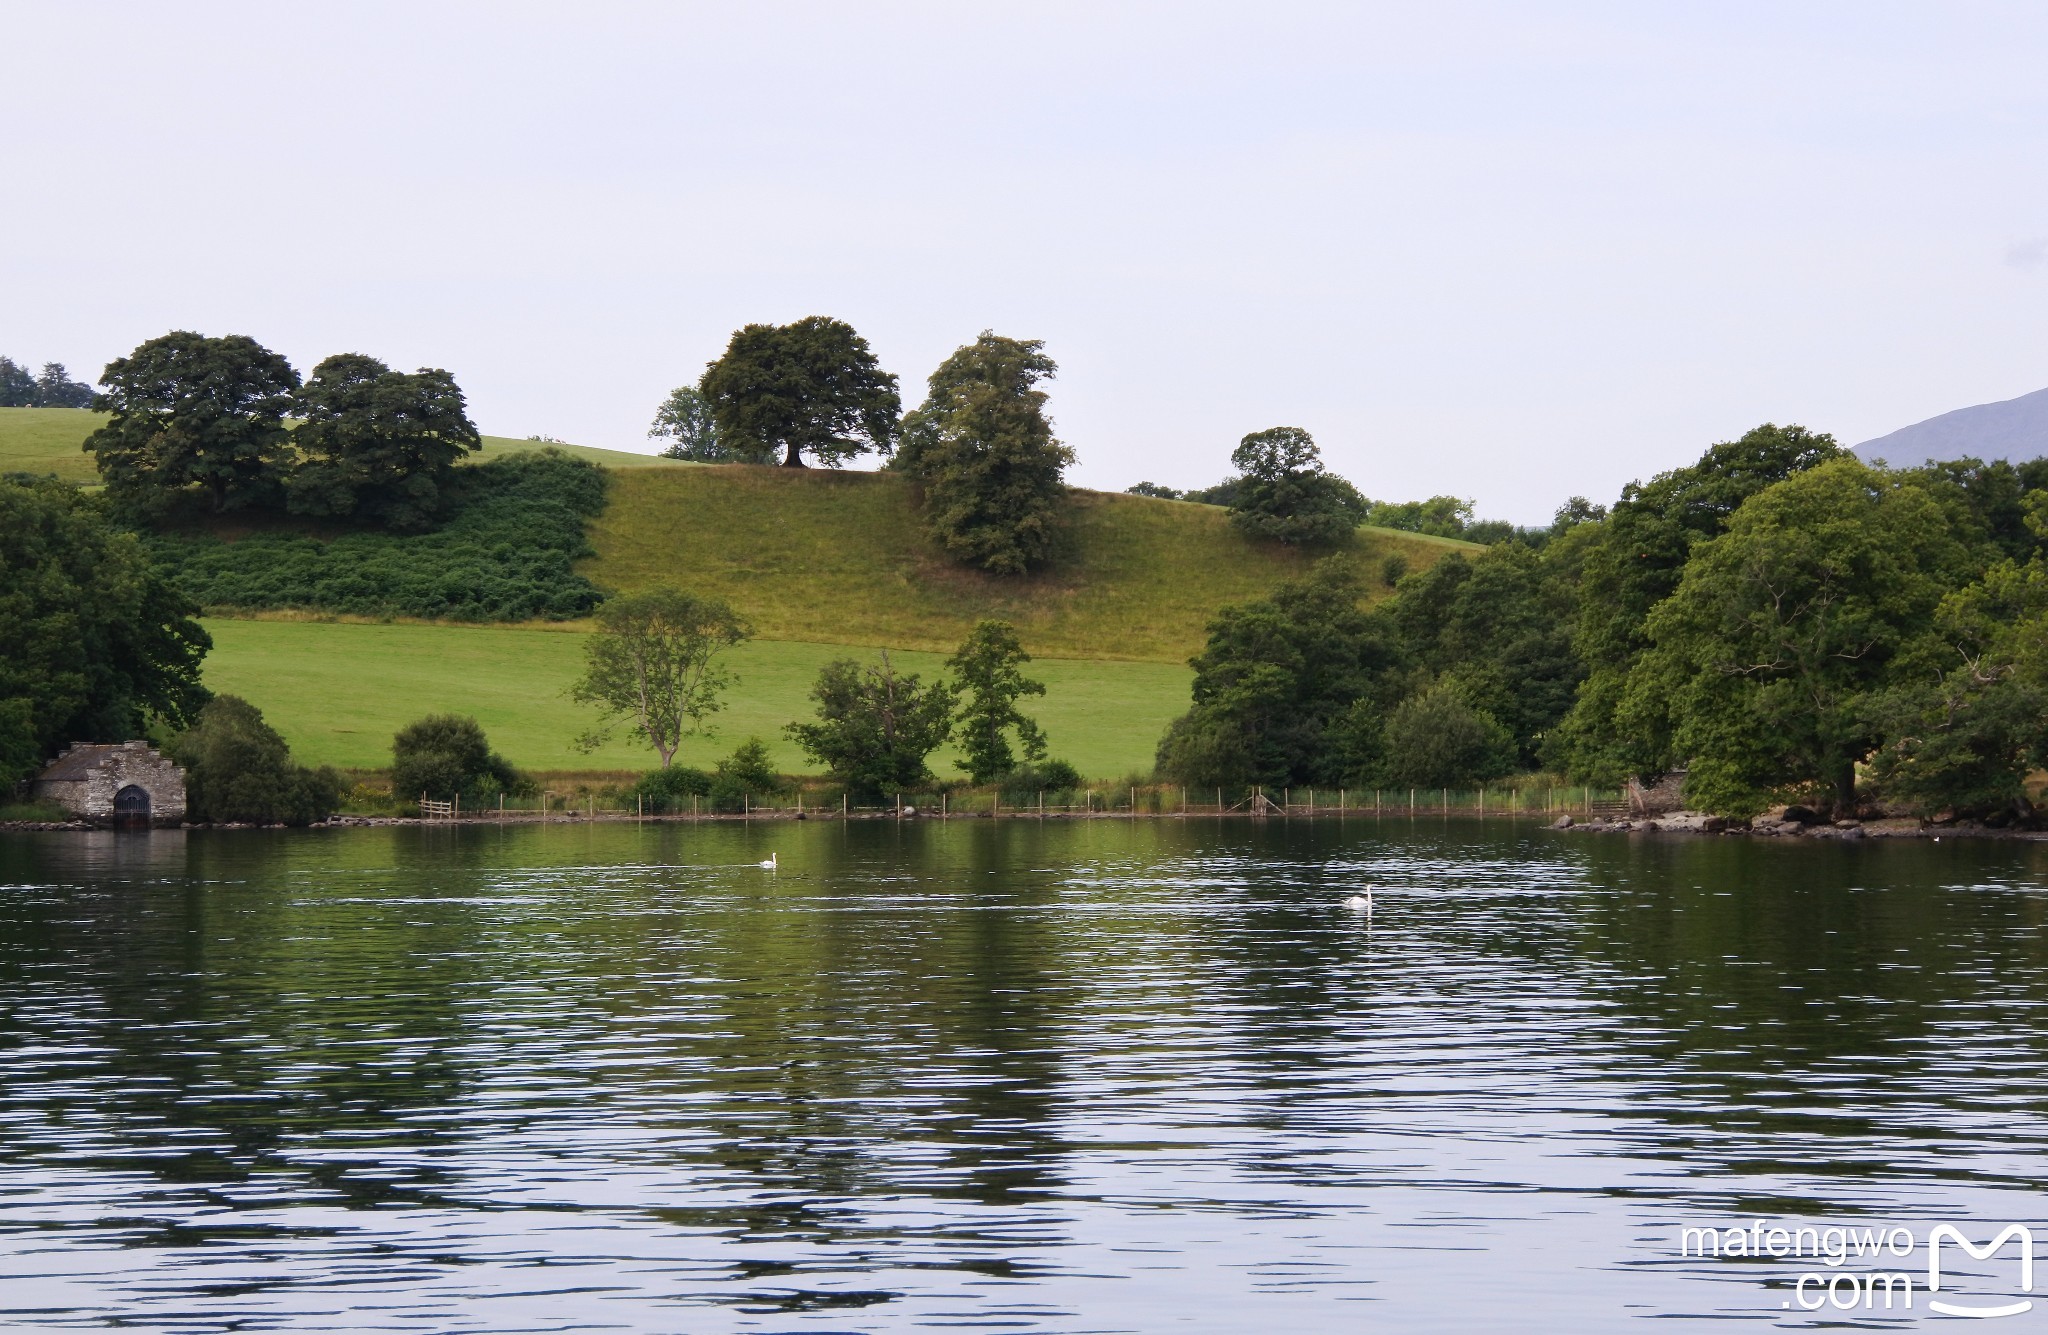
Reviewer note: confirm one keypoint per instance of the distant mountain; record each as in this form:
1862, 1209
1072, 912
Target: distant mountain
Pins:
2015, 429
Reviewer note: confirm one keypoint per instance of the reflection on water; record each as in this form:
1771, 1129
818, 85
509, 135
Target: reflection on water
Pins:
1075, 1076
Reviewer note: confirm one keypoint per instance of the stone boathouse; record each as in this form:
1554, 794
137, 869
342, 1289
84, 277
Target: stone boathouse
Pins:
124, 784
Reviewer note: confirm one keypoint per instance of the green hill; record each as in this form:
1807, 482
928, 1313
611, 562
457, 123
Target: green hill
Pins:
51, 440
838, 558
819, 561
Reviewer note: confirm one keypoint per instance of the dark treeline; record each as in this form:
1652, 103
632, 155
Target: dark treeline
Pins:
1779, 620
53, 388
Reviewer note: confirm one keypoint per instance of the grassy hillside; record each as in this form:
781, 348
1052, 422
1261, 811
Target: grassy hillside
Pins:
47, 440
822, 556
50, 440
338, 692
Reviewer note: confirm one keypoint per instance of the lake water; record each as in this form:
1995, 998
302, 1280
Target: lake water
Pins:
1080, 1076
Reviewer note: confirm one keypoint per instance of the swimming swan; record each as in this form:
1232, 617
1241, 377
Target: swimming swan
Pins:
769, 864
1360, 903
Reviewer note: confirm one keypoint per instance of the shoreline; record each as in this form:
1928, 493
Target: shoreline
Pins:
1683, 822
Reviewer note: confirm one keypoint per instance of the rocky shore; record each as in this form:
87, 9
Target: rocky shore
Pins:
1792, 823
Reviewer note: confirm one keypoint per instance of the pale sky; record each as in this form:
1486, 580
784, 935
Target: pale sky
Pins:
1506, 251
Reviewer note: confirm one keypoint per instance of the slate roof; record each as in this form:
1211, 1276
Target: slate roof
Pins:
82, 759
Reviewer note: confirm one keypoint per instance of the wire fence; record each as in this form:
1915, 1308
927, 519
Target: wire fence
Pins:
1126, 800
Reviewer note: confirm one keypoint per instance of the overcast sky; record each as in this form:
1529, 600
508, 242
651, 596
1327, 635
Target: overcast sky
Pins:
1506, 251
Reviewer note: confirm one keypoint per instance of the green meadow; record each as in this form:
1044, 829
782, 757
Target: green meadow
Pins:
840, 557
337, 691
823, 563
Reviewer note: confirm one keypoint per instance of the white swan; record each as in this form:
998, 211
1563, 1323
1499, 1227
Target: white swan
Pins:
1360, 903
768, 864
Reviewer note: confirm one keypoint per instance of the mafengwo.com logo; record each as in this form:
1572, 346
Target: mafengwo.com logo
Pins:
1886, 1269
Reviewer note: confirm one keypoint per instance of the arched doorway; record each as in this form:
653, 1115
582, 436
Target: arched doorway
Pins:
131, 808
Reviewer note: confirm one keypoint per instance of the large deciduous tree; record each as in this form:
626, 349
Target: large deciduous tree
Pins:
1633, 561
188, 410
812, 387
984, 453
988, 669
1283, 492
93, 643
876, 726
653, 664
378, 444
1766, 659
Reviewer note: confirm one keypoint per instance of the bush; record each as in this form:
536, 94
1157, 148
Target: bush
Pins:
237, 768
670, 790
443, 755
1435, 740
744, 773
1051, 776
507, 553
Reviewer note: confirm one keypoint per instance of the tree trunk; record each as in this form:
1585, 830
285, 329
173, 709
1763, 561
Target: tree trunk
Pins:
793, 456
1845, 791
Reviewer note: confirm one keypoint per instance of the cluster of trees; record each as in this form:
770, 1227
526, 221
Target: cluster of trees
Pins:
54, 388
655, 666
1779, 619
1282, 492
95, 644
189, 412
981, 448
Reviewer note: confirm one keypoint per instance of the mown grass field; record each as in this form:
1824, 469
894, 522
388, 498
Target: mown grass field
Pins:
338, 691
821, 556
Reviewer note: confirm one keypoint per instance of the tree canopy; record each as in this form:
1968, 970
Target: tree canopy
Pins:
1634, 560
988, 671
1766, 656
237, 768
653, 663
94, 643
876, 727
983, 451
54, 388
1284, 494
379, 444
446, 756
686, 422
1276, 687
812, 387
188, 410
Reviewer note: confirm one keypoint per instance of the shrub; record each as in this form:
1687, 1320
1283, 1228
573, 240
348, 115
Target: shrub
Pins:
746, 772
507, 553
669, 790
1051, 776
1435, 740
237, 768
443, 755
